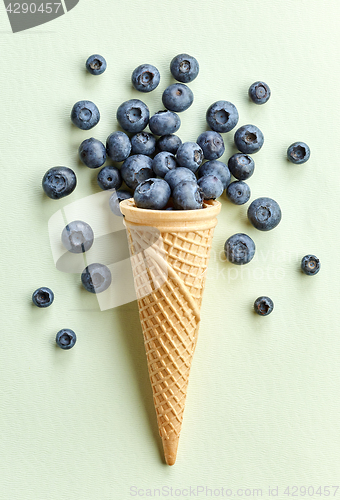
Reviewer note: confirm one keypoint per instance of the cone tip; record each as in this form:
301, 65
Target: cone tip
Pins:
170, 446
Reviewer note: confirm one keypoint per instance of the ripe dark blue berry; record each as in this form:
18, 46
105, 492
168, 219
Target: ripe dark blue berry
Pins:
77, 236
184, 68
59, 182
310, 265
164, 123
118, 146
66, 338
177, 97
189, 155
109, 178
179, 175
298, 152
212, 144
263, 306
43, 297
248, 139
96, 278
135, 169
241, 166
211, 186
239, 249
187, 195
238, 192
133, 116
222, 116
92, 153
143, 143
115, 199
145, 78
85, 115
264, 214
259, 92
163, 162
169, 143
96, 64
217, 168
152, 194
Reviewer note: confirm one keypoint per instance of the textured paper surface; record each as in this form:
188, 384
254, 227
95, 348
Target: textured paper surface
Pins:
263, 402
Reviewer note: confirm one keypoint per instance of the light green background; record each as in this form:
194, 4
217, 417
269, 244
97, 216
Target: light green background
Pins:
263, 403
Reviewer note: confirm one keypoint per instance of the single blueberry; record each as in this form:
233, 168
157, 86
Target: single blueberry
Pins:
145, 78
239, 249
143, 143
43, 297
133, 116
222, 116
163, 162
118, 146
85, 115
109, 178
59, 182
241, 166
77, 236
96, 278
217, 168
189, 155
164, 123
66, 338
92, 153
179, 175
115, 199
169, 143
177, 97
248, 139
263, 306
310, 265
211, 186
187, 195
135, 169
298, 152
184, 68
259, 92
212, 144
238, 192
264, 214
96, 64
153, 194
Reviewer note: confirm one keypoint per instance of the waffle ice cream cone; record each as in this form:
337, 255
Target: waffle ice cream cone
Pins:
169, 254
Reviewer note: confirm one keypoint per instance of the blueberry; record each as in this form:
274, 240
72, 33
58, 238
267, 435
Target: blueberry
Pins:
59, 182
212, 144
211, 186
145, 78
177, 97
187, 195
222, 116
77, 237
239, 249
164, 123
189, 155
298, 152
163, 162
43, 297
169, 143
143, 143
135, 169
241, 166
153, 194
115, 199
96, 64
310, 265
263, 306
184, 68
264, 214
238, 192
248, 139
92, 153
109, 178
179, 175
259, 92
96, 278
217, 168
133, 116
118, 146
85, 115
66, 338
